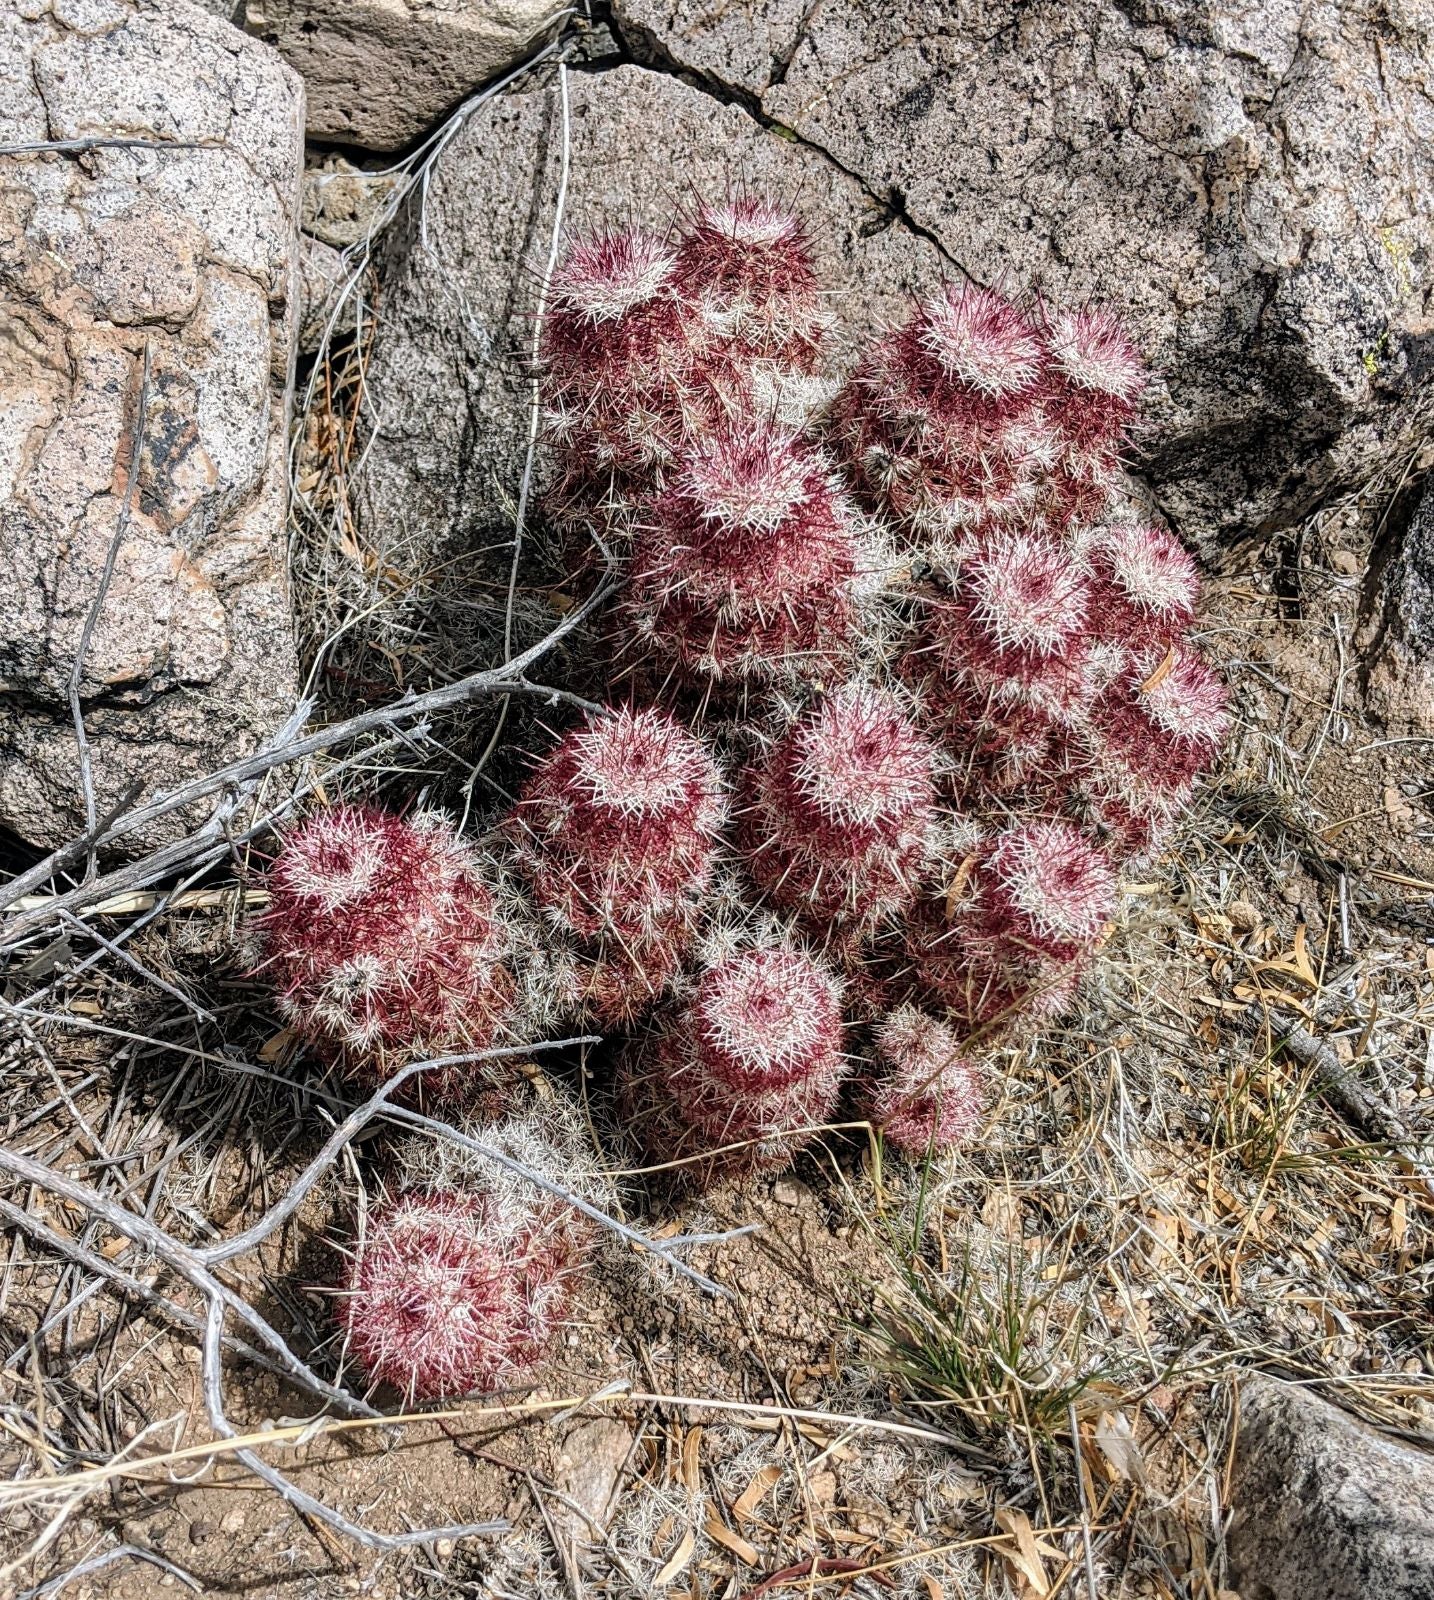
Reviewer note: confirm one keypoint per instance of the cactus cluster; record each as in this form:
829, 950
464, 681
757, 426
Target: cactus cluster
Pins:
904, 685
943, 667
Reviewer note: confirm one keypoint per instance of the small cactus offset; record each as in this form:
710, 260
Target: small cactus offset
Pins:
1012, 935
432, 1307
463, 1278
384, 945
925, 1094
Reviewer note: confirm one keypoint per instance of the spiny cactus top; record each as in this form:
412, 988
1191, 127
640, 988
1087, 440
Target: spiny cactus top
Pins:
382, 940
752, 563
463, 1276
618, 826
753, 1060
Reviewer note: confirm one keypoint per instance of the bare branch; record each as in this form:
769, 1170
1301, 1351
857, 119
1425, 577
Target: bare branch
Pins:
282, 751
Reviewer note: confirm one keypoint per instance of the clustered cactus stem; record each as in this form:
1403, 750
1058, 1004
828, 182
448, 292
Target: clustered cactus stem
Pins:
749, 1065
947, 668
384, 945
617, 834
464, 1274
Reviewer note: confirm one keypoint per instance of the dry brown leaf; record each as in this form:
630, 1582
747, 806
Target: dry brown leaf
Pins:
1161, 673
691, 1458
1397, 1223
1269, 997
1165, 1231
933, 1589
276, 1046
719, 1533
958, 883
677, 1560
1002, 1213
749, 1499
1026, 1556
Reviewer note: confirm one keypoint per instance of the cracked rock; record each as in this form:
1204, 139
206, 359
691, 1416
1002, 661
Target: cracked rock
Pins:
380, 72
1250, 181
186, 252
1325, 1505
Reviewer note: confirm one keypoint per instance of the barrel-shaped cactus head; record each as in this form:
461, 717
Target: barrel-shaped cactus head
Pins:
1006, 658
1045, 888
765, 1018
981, 343
839, 811
1144, 585
942, 423
384, 943
857, 763
747, 263
747, 1069
461, 1281
1149, 736
617, 827
616, 355
1008, 939
1160, 724
1094, 377
752, 564
433, 1305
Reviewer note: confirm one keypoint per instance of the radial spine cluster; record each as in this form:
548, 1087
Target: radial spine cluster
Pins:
751, 1065
462, 1279
616, 834
383, 943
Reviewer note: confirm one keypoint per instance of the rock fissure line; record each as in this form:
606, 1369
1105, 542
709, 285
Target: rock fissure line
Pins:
655, 58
